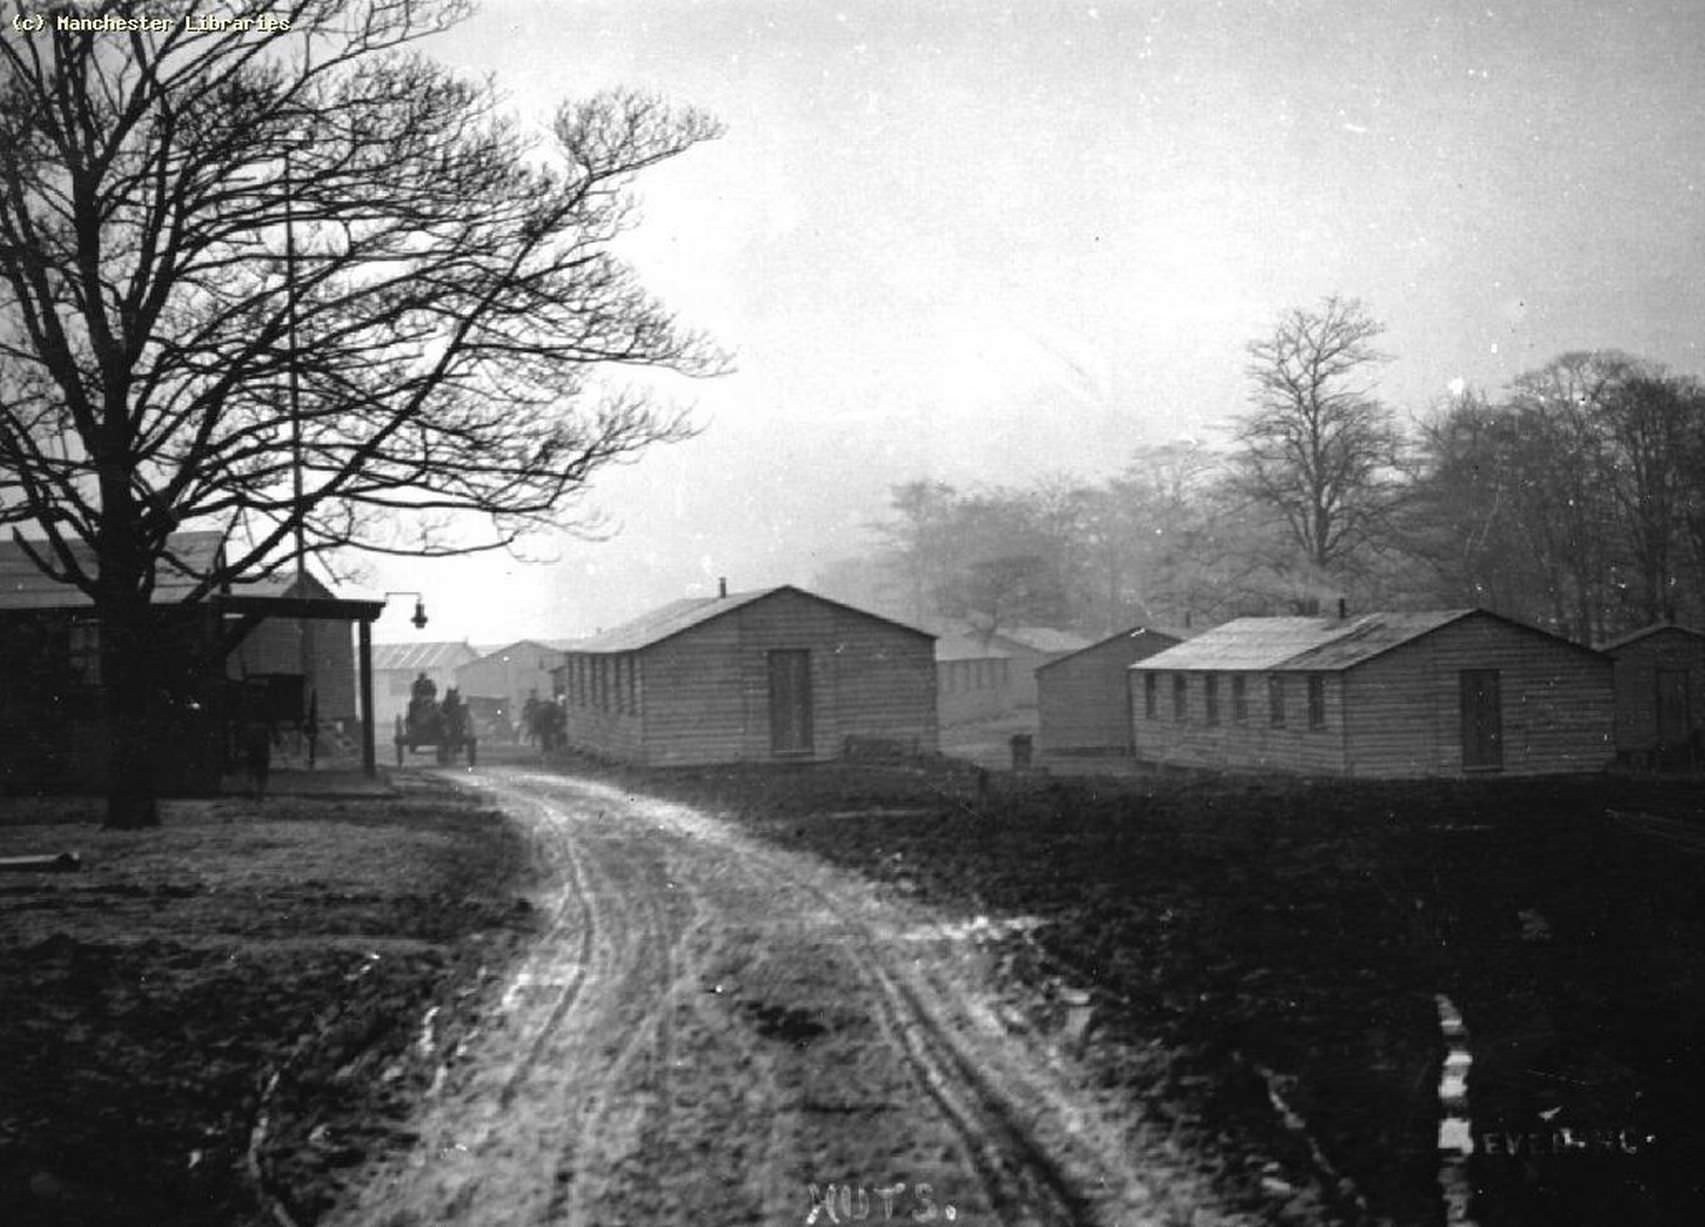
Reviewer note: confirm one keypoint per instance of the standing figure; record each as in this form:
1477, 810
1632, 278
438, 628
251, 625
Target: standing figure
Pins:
257, 752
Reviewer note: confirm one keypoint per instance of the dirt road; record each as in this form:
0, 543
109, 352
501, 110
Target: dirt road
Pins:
713, 1030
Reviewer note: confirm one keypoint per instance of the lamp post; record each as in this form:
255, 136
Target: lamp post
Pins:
419, 618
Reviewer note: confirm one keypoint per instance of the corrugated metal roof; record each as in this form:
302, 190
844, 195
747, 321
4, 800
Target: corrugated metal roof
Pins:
417, 656
23, 586
677, 616
1136, 632
1311, 644
1646, 632
668, 620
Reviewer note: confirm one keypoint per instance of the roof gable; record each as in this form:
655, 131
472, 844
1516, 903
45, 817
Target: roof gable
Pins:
673, 619
535, 647
1161, 639
190, 556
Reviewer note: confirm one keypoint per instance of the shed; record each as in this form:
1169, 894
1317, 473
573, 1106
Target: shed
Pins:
1660, 685
774, 674
973, 680
1029, 648
319, 651
1430, 693
512, 674
1083, 699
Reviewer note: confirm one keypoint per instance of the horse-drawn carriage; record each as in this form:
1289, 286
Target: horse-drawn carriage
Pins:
444, 727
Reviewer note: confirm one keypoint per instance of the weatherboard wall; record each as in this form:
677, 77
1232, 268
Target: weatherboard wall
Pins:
1224, 742
1557, 703
1084, 702
703, 694
1637, 667
1398, 714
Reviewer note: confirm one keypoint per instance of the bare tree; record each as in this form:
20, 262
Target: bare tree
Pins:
1649, 419
287, 279
1318, 449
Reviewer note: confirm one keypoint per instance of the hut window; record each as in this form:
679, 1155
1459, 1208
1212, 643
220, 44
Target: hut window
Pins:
1276, 700
85, 652
1151, 695
1211, 698
1239, 699
1180, 696
1316, 701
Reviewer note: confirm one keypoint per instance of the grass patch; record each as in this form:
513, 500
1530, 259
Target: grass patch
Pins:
223, 1014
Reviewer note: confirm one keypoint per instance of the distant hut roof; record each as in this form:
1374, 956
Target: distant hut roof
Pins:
442, 654
1646, 632
1136, 632
1271, 645
672, 619
190, 556
285, 583
519, 645
966, 647
1043, 638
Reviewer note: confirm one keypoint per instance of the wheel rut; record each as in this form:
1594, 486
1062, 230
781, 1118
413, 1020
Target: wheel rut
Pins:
715, 1030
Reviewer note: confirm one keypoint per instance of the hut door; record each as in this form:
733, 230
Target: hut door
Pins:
1672, 714
790, 702
1482, 719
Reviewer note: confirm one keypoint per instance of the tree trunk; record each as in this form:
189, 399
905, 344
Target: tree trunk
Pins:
126, 673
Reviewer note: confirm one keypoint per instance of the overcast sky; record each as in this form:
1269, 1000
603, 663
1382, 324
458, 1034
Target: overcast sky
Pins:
986, 242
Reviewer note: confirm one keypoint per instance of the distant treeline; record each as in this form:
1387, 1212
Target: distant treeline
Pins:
1574, 501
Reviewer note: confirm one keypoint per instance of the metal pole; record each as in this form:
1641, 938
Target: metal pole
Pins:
304, 646
369, 755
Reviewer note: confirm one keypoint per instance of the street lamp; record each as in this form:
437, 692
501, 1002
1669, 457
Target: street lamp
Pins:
419, 618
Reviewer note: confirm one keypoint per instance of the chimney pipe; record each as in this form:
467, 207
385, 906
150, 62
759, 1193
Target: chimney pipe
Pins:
722, 588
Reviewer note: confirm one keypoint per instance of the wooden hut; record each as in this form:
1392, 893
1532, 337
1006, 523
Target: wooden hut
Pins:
1029, 648
1660, 685
509, 676
1439, 693
973, 680
54, 732
1083, 699
317, 654
778, 674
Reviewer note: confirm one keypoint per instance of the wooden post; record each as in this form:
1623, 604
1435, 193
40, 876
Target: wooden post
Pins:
369, 755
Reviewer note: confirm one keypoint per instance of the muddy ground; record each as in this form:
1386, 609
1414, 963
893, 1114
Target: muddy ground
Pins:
1264, 961
232, 1014
220, 1017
